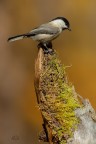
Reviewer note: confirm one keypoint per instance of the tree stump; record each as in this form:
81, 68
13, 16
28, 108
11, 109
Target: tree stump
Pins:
67, 117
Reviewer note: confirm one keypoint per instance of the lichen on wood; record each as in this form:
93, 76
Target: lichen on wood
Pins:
58, 102
56, 99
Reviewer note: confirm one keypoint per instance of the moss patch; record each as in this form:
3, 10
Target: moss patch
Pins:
58, 103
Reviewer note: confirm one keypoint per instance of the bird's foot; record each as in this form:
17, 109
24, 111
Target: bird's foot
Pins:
47, 47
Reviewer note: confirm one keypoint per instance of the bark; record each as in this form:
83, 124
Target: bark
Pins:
67, 117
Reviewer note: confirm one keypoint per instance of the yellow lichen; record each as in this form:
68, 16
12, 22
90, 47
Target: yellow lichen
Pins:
59, 108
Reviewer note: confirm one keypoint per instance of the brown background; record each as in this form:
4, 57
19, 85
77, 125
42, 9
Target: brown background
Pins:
20, 119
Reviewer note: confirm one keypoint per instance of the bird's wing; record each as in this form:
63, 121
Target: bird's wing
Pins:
43, 29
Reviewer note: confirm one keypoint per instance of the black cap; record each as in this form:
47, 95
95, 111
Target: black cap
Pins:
64, 19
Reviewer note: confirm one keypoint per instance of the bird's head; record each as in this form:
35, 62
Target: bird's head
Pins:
62, 22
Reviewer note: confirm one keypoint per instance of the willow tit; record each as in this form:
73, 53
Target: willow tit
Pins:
45, 33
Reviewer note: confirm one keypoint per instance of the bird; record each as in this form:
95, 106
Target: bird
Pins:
45, 33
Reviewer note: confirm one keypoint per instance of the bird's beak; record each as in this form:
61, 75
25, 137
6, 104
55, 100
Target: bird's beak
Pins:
69, 29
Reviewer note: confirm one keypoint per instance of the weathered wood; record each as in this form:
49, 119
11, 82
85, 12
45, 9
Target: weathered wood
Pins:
66, 120
38, 71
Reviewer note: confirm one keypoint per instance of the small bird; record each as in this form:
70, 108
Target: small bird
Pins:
45, 33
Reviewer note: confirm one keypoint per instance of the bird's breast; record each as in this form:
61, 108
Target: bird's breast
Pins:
44, 37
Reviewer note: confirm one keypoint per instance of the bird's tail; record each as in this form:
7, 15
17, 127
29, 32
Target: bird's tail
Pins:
14, 38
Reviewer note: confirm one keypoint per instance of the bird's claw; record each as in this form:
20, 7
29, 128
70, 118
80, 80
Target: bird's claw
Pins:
47, 47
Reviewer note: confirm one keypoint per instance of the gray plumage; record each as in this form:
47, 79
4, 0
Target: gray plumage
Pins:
46, 32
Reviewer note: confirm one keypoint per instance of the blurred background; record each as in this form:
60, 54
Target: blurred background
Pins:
20, 119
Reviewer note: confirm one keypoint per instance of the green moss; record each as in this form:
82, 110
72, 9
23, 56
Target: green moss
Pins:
65, 106
59, 108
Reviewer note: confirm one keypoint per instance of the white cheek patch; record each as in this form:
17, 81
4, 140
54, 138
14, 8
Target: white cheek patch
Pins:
65, 25
60, 23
